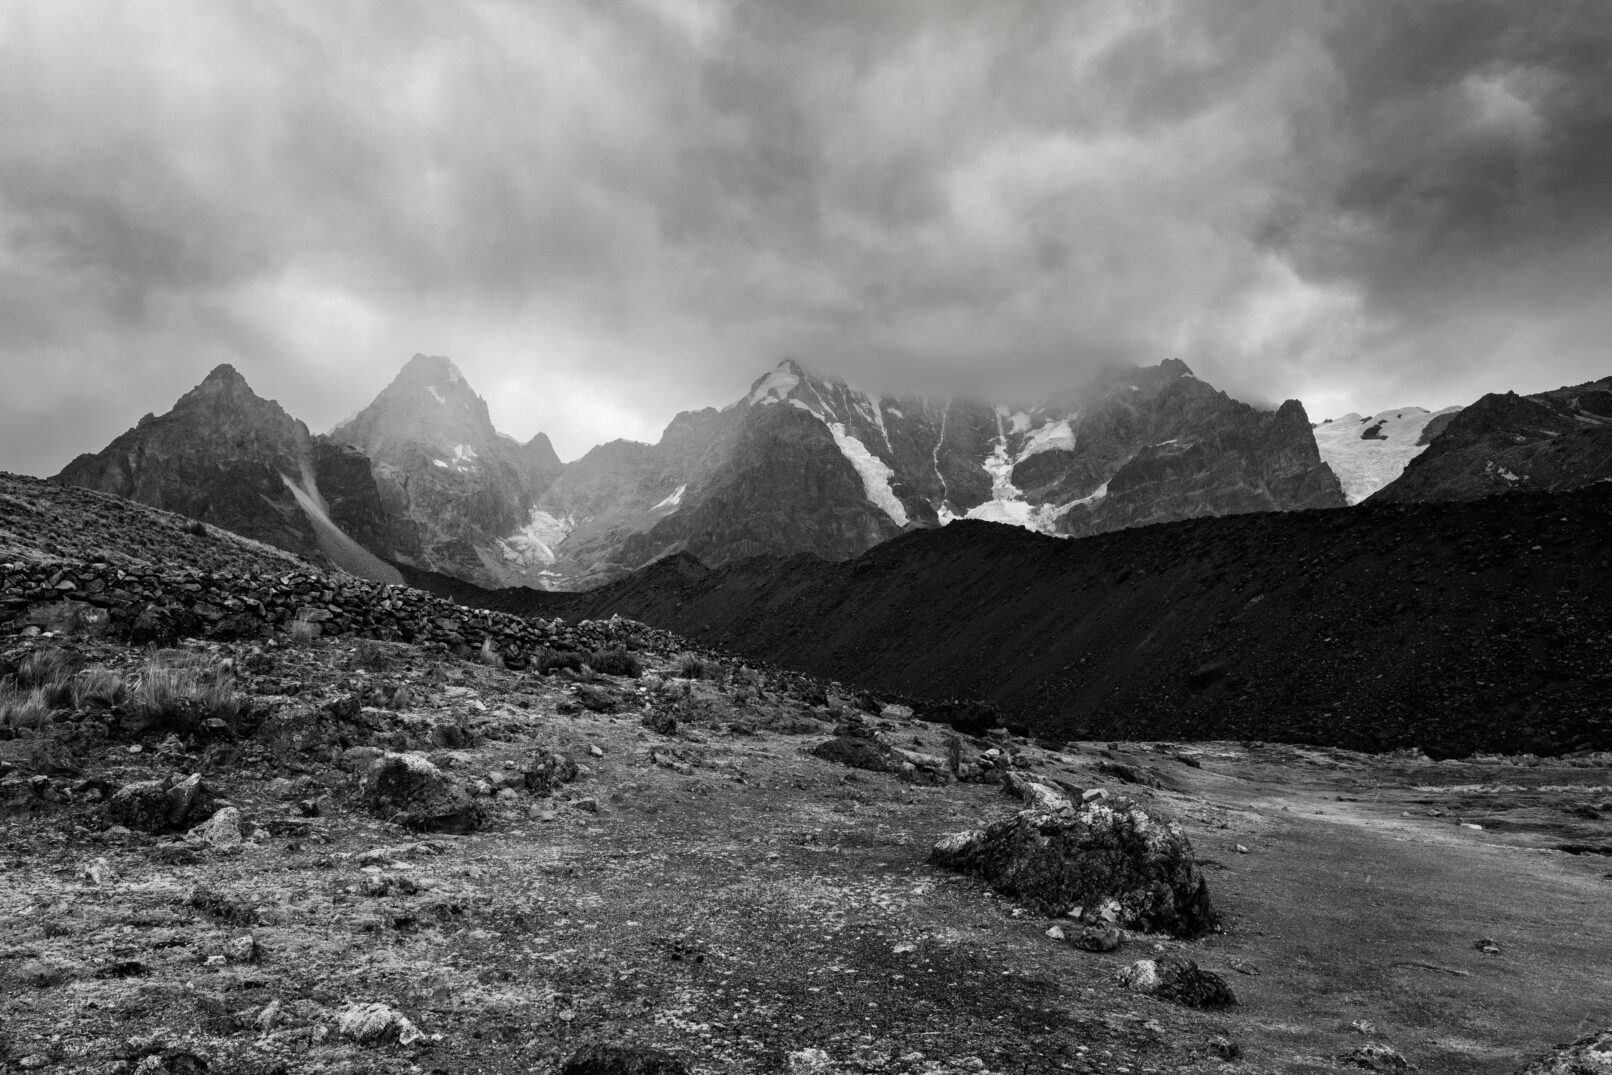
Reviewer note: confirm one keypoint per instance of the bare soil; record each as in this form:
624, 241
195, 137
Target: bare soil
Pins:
727, 897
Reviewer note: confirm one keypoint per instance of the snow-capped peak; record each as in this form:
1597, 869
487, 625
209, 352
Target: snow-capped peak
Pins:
1367, 452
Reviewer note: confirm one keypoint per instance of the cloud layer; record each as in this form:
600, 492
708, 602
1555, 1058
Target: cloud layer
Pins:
608, 212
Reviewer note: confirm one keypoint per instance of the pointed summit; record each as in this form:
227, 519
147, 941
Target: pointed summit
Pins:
431, 369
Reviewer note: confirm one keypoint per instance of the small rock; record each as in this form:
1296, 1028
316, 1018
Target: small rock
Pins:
810, 1062
1375, 1056
1055, 933
243, 949
588, 806
1099, 939
1224, 1048
1487, 946
222, 830
1240, 849
369, 1024
1177, 979
99, 873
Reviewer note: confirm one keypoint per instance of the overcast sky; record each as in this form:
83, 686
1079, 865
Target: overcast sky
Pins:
608, 212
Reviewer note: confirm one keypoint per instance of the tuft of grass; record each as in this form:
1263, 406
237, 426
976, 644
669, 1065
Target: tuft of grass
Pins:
547, 660
302, 629
22, 707
691, 666
180, 693
615, 661
49, 671
97, 688
371, 656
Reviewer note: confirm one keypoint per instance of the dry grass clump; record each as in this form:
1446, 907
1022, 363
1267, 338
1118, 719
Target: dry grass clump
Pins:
178, 692
691, 666
547, 660
303, 629
97, 688
371, 656
50, 671
616, 661
21, 707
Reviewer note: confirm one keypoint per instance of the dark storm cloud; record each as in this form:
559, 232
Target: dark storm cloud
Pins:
605, 212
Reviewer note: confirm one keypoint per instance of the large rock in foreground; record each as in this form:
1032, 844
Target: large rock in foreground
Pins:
1104, 854
1590, 1055
408, 790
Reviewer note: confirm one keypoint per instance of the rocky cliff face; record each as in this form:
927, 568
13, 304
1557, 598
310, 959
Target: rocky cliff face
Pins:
453, 486
1507, 443
226, 456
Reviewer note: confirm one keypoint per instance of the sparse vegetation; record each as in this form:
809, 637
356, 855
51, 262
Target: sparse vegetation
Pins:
49, 671
23, 708
178, 692
196, 528
615, 661
97, 688
371, 656
548, 661
691, 666
302, 628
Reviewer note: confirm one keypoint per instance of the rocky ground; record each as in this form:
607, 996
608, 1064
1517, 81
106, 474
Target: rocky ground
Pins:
707, 886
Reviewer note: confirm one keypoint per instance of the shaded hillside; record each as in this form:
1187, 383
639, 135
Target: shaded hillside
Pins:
1455, 627
1508, 443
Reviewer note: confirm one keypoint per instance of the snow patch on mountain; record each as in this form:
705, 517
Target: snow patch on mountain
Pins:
436, 393
1367, 453
535, 542
1054, 436
672, 501
775, 386
874, 472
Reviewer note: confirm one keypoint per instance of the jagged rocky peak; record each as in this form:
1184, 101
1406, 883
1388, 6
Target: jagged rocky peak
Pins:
455, 487
229, 457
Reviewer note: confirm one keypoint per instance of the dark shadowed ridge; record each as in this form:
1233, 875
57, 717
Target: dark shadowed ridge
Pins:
1453, 627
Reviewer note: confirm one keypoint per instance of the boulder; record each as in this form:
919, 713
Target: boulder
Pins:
622, 1060
859, 753
1036, 793
1590, 1055
1106, 852
222, 830
160, 805
408, 790
1179, 980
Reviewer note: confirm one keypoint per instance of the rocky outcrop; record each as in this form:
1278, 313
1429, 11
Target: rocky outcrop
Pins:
408, 790
226, 456
1506, 443
1179, 980
1107, 854
160, 805
1589, 1055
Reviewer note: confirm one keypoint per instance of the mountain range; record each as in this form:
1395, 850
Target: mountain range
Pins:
420, 480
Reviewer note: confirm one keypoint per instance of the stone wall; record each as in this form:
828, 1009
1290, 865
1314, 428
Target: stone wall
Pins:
156, 606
